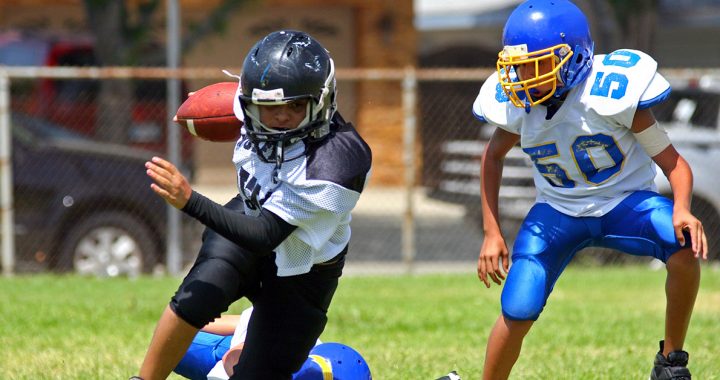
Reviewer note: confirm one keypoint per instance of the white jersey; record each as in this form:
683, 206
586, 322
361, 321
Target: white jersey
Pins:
586, 158
315, 192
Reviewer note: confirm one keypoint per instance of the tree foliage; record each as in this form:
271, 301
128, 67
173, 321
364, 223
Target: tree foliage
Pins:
130, 36
637, 21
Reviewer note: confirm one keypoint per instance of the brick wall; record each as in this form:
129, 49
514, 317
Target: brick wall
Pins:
385, 37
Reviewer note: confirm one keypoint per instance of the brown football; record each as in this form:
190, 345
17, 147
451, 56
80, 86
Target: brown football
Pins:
208, 113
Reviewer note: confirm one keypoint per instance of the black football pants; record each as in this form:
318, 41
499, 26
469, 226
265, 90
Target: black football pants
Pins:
289, 313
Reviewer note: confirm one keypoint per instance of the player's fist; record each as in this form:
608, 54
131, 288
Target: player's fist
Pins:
208, 113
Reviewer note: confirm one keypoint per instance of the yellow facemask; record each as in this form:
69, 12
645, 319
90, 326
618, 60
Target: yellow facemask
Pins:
519, 89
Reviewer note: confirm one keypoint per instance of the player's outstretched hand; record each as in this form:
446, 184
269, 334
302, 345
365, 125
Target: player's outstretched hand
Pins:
493, 251
170, 184
684, 220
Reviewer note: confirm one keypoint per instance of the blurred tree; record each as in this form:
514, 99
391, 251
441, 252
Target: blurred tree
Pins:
605, 30
637, 20
127, 37
621, 23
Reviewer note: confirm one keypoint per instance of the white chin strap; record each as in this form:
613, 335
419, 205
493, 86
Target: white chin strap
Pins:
237, 109
326, 89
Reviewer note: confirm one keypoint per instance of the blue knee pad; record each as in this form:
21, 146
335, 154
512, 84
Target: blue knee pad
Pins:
525, 291
545, 243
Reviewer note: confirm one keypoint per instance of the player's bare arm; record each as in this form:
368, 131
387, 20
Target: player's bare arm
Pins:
494, 250
680, 176
223, 325
170, 184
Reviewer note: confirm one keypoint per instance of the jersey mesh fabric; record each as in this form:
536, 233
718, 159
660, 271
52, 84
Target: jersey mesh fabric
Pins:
319, 208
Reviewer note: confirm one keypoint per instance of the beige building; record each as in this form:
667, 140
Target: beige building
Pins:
358, 33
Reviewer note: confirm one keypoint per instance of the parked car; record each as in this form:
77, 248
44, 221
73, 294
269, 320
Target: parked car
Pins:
692, 118
73, 103
83, 206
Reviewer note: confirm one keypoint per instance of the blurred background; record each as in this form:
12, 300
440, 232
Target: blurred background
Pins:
88, 89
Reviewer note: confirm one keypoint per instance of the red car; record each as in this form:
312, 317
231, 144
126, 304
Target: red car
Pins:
73, 103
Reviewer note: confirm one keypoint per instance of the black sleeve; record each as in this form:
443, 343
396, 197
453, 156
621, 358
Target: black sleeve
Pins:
260, 234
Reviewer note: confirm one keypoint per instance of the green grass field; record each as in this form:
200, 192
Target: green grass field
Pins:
600, 323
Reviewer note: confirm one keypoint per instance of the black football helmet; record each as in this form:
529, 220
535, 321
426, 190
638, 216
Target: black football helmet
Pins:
286, 66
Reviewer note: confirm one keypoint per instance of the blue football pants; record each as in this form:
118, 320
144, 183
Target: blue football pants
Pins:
548, 239
206, 350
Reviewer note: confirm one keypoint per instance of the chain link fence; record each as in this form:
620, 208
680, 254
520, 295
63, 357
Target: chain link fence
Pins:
75, 196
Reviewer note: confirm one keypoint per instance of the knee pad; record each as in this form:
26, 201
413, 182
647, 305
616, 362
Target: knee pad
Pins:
525, 292
206, 292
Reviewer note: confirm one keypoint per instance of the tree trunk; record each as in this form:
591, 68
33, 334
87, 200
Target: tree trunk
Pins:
637, 21
606, 33
119, 42
641, 28
116, 101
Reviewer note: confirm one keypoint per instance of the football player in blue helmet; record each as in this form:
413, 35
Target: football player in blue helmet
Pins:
334, 361
551, 40
586, 123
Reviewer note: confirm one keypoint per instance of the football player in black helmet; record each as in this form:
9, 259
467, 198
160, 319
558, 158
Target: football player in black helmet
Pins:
300, 171
287, 68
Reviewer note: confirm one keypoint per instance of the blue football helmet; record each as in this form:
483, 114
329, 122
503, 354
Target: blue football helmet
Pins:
550, 33
333, 361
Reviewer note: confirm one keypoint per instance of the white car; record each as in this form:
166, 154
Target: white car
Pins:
692, 118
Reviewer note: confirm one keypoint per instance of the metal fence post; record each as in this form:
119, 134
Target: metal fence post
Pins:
174, 235
409, 86
6, 178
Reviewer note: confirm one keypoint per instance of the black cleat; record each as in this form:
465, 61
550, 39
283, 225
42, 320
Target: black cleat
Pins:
674, 367
450, 376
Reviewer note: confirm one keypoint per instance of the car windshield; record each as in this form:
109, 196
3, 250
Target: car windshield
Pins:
31, 128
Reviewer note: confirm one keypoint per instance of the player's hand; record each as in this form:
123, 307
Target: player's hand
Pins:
170, 184
494, 252
684, 220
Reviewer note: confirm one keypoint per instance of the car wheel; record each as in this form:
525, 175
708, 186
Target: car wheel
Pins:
108, 244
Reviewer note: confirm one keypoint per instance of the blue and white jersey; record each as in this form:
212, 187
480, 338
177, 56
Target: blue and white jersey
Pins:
315, 192
586, 158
